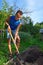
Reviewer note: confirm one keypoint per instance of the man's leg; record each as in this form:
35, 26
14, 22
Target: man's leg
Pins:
9, 42
18, 41
9, 45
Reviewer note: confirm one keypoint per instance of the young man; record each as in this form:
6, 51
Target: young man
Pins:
13, 25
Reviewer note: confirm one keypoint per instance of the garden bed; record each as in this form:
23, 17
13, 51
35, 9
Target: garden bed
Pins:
31, 56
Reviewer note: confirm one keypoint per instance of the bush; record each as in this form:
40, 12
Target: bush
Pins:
25, 37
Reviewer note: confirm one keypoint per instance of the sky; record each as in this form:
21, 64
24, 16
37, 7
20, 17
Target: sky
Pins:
36, 6
0, 4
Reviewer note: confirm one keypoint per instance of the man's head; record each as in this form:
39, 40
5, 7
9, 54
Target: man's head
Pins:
18, 14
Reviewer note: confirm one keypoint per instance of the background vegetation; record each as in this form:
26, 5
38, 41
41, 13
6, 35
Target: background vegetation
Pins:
29, 33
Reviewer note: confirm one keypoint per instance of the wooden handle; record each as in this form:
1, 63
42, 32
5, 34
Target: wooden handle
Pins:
14, 42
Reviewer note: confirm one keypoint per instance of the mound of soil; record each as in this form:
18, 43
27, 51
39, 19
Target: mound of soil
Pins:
33, 55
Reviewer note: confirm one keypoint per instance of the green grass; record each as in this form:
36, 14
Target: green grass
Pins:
26, 41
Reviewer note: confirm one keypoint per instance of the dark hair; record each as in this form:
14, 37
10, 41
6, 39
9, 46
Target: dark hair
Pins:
19, 11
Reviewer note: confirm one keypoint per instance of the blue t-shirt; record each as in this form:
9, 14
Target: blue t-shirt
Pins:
13, 23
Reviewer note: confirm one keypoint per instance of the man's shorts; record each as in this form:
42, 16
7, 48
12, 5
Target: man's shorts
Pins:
8, 35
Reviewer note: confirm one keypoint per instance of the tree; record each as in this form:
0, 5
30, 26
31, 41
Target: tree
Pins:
5, 12
41, 24
28, 25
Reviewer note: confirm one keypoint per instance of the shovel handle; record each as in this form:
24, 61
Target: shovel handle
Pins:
14, 42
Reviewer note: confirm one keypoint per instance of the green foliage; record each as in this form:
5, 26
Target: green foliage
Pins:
25, 36
4, 13
41, 24
29, 35
3, 16
25, 20
33, 30
4, 6
25, 28
28, 25
26, 41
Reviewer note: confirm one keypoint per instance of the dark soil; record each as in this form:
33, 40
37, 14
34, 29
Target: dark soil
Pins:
31, 56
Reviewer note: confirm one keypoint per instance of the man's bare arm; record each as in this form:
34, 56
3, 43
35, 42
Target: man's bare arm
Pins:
17, 30
7, 21
7, 24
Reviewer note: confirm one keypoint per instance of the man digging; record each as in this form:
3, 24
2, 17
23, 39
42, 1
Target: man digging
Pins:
13, 24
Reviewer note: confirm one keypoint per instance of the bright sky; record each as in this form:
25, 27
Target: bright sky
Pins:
0, 4
36, 6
